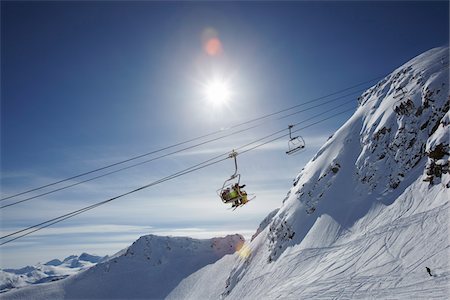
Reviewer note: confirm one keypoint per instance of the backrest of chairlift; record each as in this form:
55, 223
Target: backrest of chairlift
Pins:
229, 183
295, 144
232, 181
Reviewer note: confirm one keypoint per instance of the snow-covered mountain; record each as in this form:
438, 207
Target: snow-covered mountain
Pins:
365, 218
50, 271
149, 269
368, 214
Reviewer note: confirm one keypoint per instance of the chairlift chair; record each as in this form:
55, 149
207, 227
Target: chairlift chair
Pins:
295, 143
228, 193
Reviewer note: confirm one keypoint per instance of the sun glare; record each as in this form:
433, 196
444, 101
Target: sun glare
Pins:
217, 92
245, 251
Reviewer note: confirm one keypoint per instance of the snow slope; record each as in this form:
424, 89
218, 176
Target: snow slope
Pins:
50, 271
367, 214
150, 268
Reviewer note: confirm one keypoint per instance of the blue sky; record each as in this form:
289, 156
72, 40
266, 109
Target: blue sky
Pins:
84, 84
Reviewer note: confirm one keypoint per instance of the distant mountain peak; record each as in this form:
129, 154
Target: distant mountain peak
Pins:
53, 262
52, 270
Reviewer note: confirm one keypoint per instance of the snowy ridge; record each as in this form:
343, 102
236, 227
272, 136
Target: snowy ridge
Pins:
265, 223
50, 271
369, 212
149, 269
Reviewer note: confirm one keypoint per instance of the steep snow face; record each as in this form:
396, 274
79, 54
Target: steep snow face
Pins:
265, 223
369, 212
50, 271
396, 142
149, 269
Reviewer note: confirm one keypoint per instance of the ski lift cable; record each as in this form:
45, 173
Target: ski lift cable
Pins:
293, 125
190, 140
87, 208
299, 129
172, 153
48, 223
180, 150
282, 130
34, 228
188, 170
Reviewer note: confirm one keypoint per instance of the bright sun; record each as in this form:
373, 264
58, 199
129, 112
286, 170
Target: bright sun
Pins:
217, 92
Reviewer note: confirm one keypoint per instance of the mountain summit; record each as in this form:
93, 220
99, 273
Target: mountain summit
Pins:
149, 269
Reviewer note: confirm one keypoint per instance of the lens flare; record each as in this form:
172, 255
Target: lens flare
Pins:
245, 251
213, 47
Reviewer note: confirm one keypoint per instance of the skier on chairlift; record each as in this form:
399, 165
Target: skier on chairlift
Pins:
232, 191
239, 194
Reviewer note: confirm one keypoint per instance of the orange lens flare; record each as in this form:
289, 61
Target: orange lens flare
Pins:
213, 47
